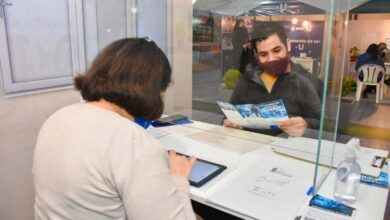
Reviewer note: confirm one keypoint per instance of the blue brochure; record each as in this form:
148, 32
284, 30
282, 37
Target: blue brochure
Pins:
381, 181
324, 203
263, 115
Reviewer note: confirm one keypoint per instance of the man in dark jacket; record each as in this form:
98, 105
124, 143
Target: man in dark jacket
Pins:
276, 79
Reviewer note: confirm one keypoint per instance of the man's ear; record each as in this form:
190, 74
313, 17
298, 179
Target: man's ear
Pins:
288, 45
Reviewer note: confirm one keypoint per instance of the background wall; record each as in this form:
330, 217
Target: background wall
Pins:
20, 120
367, 29
362, 33
21, 117
178, 97
152, 18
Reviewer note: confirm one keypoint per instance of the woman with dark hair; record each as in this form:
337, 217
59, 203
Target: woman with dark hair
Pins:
92, 161
370, 57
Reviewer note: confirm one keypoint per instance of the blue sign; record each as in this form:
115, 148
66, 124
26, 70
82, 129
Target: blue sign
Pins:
305, 37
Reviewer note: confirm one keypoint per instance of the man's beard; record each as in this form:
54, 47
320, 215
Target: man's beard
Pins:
275, 67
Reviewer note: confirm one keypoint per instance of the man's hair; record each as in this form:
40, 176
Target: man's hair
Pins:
264, 29
382, 44
130, 73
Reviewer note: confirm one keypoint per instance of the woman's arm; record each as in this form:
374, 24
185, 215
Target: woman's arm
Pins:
147, 187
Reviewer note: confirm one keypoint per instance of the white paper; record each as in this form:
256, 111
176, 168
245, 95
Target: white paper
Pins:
157, 133
230, 143
272, 188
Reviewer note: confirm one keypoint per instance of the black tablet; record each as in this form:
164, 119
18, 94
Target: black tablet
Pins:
171, 119
203, 171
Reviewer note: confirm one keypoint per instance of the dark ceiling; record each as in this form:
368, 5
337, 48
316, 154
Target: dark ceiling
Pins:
371, 7
284, 7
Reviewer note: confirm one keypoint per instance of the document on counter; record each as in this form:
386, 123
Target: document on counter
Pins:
226, 142
311, 213
331, 153
157, 133
271, 188
263, 115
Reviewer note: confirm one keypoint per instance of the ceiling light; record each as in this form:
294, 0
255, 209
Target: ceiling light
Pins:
294, 21
305, 23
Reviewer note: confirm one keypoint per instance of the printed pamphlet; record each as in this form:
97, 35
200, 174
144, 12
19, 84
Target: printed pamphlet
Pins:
263, 115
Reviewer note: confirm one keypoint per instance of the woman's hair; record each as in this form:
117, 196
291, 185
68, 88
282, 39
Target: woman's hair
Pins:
131, 73
373, 51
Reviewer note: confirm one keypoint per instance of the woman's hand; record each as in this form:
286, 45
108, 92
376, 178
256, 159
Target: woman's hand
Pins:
230, 124
294, 126
180, 165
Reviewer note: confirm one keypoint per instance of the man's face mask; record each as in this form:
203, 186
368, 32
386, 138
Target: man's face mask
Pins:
275, 67
272, 54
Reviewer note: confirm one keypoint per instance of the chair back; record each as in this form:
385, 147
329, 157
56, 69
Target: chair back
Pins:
370, 73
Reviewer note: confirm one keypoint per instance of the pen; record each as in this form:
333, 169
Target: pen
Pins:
274, 127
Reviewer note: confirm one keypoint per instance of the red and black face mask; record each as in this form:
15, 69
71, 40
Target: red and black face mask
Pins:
276, 67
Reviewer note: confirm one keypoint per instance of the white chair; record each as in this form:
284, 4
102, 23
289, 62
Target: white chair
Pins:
371, 73
384, 86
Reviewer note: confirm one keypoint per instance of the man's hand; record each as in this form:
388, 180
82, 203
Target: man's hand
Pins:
230, 124
294, 126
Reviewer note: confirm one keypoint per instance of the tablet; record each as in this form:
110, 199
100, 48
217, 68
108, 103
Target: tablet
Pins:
203, 171
171, 120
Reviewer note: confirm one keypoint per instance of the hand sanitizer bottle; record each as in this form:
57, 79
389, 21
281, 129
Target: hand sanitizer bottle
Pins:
347, 178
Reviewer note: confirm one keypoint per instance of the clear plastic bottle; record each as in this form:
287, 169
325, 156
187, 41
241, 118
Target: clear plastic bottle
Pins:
347, 178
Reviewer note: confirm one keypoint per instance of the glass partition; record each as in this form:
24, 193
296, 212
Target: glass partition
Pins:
223, 54
330, 153
217, 39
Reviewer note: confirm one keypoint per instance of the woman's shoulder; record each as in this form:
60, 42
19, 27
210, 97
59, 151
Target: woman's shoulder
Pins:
64, 113
96, 119
363, 55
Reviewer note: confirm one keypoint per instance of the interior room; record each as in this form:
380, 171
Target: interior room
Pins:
45, 44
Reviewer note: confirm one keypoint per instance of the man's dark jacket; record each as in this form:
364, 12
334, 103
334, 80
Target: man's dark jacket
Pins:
295, 88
